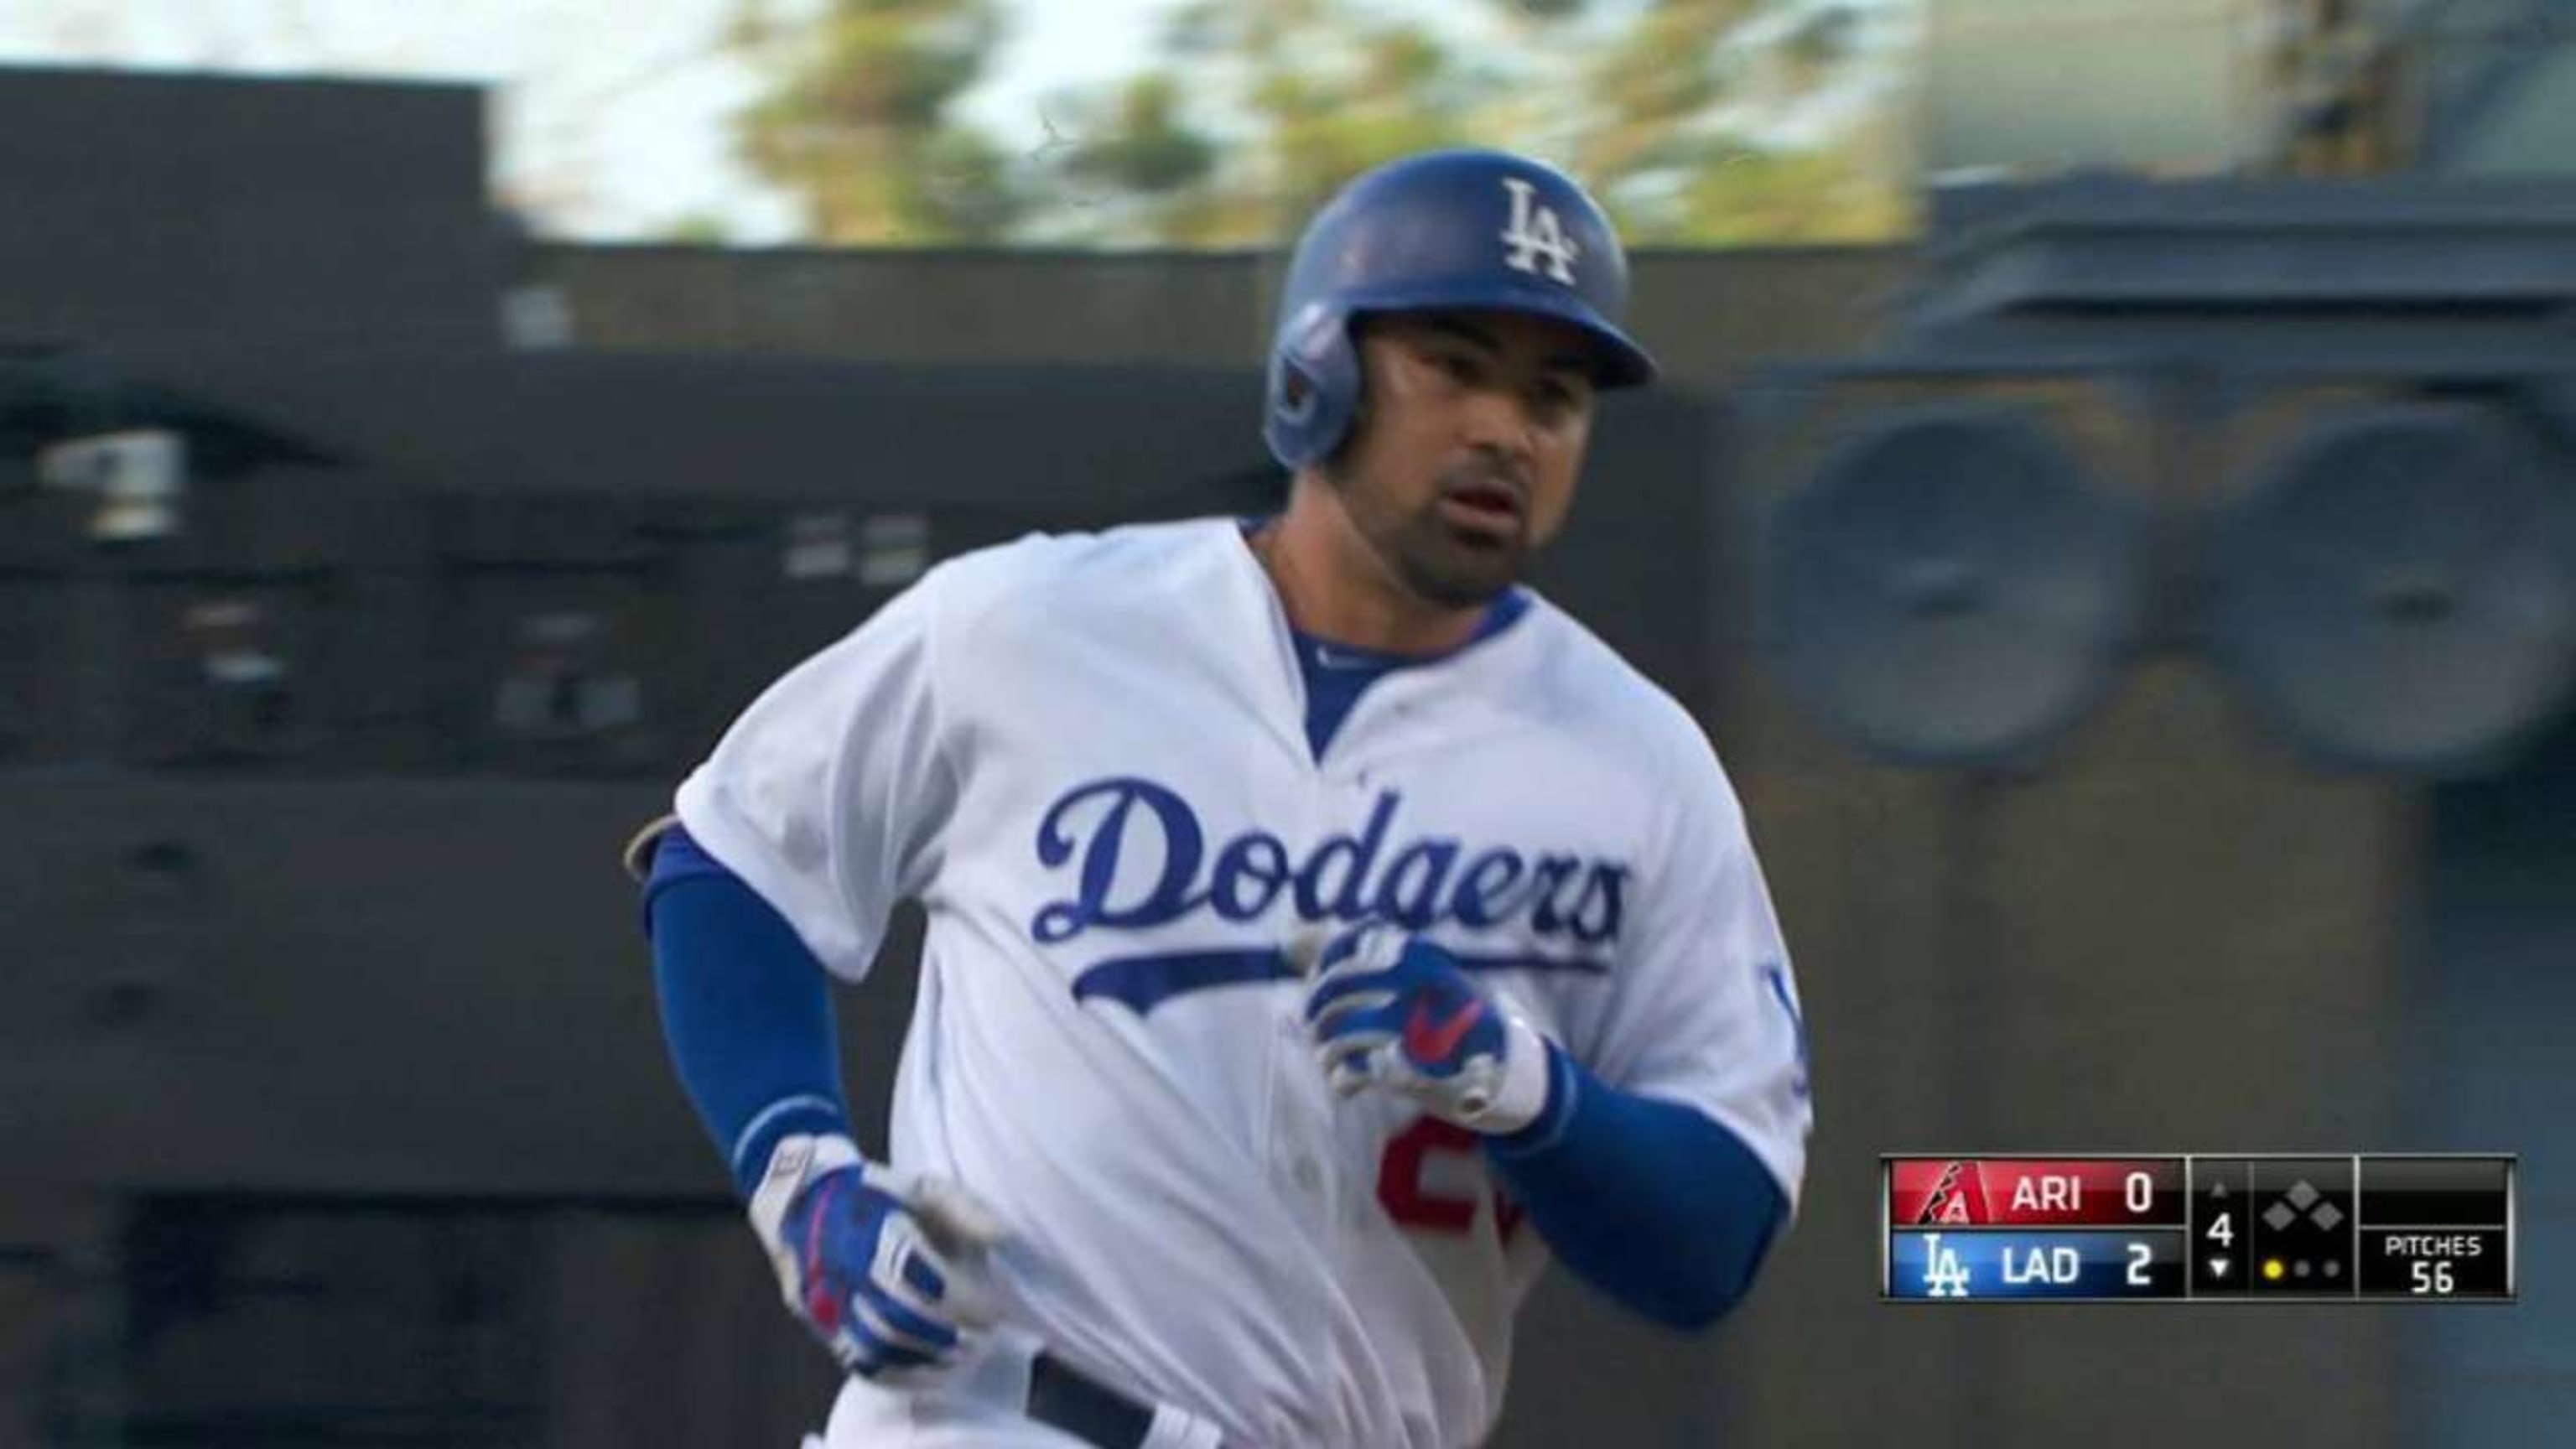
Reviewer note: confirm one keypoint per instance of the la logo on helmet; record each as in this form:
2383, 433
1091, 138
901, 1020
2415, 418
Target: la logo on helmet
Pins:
1535, 232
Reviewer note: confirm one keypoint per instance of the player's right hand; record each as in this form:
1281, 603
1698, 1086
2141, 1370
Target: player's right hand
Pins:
887, 1270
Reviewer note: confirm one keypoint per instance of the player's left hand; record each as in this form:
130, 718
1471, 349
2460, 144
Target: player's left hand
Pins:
1393, 1013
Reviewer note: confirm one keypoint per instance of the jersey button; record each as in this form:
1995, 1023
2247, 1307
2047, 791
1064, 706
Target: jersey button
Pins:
1308, 1176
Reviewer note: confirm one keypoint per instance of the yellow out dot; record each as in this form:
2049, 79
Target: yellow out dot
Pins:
2272, 1270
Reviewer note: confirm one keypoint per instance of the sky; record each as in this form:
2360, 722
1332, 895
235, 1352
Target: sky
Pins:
609, 116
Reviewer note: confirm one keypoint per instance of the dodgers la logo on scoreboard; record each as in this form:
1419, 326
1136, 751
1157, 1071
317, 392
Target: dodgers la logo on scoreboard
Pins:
1944, 1276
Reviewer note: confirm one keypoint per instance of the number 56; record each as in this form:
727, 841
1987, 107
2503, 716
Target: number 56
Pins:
2433, 1277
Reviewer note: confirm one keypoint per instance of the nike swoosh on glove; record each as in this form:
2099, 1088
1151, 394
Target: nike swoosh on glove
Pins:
1390, 1012
886, 1268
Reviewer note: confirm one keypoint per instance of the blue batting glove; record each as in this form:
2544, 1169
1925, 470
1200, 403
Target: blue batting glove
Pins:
1392, 1013
887, 1270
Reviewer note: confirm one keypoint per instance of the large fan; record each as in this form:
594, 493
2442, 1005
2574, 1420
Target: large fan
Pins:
2397, 588
1950, 588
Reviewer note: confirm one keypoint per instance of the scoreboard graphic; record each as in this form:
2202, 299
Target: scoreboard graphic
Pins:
2237, 1229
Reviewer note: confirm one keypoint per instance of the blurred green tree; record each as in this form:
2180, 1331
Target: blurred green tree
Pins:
1250, 112
1247, 113
854, 121
699, 228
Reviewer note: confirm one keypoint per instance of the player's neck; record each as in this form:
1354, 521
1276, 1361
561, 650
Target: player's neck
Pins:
1334, 586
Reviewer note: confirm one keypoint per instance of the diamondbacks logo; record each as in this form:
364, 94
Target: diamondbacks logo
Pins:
1138, 858
1535, 232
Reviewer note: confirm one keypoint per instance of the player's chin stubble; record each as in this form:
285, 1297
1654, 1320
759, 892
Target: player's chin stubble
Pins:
1452, 569
1434, 560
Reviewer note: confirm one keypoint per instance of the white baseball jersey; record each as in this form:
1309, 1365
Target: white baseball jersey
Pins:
1085, 755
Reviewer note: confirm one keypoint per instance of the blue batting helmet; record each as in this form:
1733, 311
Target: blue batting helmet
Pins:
1465, 228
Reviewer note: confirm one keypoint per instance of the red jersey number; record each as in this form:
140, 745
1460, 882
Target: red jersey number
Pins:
1401, 1192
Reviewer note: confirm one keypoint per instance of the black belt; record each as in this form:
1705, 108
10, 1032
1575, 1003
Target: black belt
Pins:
1066, 1398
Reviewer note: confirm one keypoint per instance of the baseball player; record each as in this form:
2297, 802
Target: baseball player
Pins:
1325, 930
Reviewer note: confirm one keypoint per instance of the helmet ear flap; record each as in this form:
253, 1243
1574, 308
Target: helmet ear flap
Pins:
1313, 392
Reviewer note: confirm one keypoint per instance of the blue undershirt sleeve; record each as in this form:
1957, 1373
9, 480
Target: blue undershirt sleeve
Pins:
746, 1009
1651, 1202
